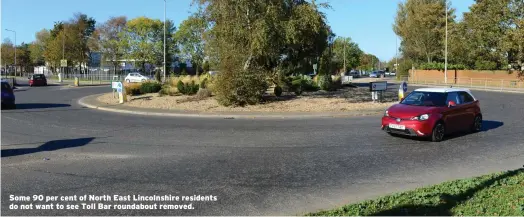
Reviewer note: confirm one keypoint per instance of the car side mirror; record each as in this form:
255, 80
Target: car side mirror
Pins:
451, 103
401, 99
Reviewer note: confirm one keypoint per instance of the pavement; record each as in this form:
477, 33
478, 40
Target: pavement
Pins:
51, 145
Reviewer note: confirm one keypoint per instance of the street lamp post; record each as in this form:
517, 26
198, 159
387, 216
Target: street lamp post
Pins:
15, 47
165, 2
446, 49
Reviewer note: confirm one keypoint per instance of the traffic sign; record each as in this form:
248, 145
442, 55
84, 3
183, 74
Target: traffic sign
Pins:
404, 86
378, 86
63, 63
117, 85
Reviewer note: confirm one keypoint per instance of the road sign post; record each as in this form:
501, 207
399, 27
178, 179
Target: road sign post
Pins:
119, 87
402, 90
377, 89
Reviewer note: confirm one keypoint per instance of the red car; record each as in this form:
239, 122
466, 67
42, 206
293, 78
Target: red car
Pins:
433, 113
37, 80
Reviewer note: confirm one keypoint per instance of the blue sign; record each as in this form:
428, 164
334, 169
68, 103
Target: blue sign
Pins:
117, 86
404, 86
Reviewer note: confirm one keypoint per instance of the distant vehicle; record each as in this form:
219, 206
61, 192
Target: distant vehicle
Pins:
354, 73
136, 77
434, 113
8, 96
373, 75
37, 80
393, 73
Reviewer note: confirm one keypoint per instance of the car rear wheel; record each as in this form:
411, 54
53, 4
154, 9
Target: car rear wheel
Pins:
438, 132
477, 124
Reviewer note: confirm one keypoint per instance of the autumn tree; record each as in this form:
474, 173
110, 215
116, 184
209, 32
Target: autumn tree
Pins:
421, 26
110, 36
140, 40
190, 39
253, 38
8, 52
351, 55
38, 47
368, 62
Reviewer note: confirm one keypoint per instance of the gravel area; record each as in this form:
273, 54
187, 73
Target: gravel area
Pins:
348, 99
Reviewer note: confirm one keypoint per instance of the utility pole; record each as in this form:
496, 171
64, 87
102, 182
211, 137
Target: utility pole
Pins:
63, 54
446, 49
15, 47
165, 2
345, 55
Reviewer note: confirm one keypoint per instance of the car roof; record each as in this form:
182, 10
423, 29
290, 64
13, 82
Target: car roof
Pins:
443, 89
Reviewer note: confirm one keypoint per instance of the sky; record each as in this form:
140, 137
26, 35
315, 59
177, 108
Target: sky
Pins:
366, 22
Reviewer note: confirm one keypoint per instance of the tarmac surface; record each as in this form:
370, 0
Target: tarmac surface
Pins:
52, 146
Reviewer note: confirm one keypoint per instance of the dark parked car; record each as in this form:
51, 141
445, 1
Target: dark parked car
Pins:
8, 97
37, 80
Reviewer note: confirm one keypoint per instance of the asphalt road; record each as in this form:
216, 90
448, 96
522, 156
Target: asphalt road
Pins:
51, 146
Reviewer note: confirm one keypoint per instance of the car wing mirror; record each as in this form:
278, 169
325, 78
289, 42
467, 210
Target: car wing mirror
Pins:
402, 99
451, 104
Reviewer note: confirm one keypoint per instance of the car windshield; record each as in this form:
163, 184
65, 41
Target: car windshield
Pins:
418, 98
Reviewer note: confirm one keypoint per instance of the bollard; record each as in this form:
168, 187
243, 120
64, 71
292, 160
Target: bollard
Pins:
77, 82
60, 77
122, 96
400, 94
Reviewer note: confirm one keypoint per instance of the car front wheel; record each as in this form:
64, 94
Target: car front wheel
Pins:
438, 132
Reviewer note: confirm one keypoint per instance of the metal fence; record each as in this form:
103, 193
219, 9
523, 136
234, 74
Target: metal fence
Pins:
478, 83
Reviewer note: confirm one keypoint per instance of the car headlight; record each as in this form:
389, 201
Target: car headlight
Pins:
421, 117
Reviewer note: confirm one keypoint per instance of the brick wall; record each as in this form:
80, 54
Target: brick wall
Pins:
452, 74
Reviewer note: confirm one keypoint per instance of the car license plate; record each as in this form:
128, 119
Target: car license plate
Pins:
398, 127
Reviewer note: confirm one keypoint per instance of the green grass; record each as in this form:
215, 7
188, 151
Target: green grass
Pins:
500, 194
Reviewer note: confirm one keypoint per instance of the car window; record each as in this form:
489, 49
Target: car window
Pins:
5, 86
453, 96
418, 98
466, 97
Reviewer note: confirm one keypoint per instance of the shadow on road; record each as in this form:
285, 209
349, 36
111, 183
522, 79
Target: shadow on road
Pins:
491, 125
448, 202
40, 105
48, 146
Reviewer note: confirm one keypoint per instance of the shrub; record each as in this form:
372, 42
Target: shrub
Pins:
203, 93
326, 83
297, 87
238, 87
150, 87
192, 88
277, 91
181, 87
187, 88
203, 83
183, 73
485, 65
337, 83
158, 77
133, 88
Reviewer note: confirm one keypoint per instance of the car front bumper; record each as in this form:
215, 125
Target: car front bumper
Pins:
412, 127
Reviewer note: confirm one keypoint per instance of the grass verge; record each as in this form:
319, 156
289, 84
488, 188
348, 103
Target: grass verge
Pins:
499, 194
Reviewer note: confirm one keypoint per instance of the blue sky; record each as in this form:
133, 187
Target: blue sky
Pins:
367, 22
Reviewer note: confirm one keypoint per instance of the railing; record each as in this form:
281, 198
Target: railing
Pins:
477, 83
